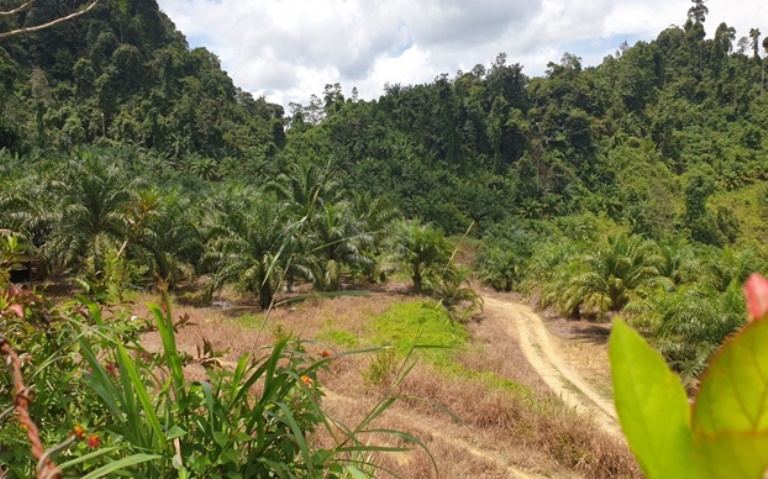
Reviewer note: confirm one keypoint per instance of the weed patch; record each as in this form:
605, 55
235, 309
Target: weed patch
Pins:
338, 337
421, 324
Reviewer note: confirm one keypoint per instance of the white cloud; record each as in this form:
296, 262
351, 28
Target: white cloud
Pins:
289, 49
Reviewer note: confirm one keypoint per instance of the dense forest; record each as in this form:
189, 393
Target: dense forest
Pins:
639, 186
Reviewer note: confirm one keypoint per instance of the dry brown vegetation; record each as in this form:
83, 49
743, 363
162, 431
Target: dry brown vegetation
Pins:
506, 430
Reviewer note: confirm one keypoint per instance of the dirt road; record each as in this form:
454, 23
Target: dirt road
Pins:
445, 435
540, 352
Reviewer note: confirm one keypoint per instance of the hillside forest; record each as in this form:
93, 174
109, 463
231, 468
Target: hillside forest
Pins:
637, 187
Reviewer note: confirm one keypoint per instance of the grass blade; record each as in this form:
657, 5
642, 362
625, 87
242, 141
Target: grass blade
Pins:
121, 464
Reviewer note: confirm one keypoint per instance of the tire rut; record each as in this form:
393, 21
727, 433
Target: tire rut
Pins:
522, 322
427, 424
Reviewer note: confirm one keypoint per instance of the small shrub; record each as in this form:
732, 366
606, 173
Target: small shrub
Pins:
382, 368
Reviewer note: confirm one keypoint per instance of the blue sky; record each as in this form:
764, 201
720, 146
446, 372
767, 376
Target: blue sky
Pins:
290, 49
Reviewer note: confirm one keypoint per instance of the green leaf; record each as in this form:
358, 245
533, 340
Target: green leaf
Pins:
652, 406
87, 457
121, 464
730, 416
355, 472
174, 432
173, 360
220, 438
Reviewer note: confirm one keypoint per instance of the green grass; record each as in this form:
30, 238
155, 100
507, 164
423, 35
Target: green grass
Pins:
338, 337
249, 321
424, 325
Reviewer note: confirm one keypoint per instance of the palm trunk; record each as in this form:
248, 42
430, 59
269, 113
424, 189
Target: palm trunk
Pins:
417, 280
265, 294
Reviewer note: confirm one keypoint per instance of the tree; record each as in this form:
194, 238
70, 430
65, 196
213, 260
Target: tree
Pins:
91, 219
419, 250
698, 12
697, 218
762, 78
742, 45
623, 269
334, 238
41, 26
754, 34
250, 246
724, 38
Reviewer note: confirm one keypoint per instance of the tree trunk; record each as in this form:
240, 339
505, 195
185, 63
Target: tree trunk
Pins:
265, 294
417, 280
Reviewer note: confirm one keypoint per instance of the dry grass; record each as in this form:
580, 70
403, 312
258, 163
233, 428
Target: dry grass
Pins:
503, 427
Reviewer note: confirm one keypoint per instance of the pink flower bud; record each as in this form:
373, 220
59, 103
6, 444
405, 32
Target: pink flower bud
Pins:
756, 291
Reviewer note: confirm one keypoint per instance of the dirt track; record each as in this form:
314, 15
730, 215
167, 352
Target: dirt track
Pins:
427, 424
523, 323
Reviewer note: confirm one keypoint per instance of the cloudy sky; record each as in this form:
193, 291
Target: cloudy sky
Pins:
290, 49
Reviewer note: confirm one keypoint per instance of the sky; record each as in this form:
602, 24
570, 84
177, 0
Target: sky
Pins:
288, 50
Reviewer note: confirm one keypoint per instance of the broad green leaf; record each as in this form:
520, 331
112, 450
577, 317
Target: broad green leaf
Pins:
730, 416
652, 406
174, 432
730, 456
220, 438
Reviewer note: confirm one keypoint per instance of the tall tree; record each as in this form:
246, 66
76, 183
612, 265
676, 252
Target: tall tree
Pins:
698, 12
754, 34
765, 54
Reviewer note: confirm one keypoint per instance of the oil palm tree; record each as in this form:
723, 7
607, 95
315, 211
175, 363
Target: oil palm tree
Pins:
337, 240
419, 250
689, 324
726, 266
91, 217
622, 269
303, 186
250, 247
163, 232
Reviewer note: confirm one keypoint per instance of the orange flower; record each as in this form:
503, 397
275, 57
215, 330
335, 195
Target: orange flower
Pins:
78, 431
94, 441
307, 380
756, 291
